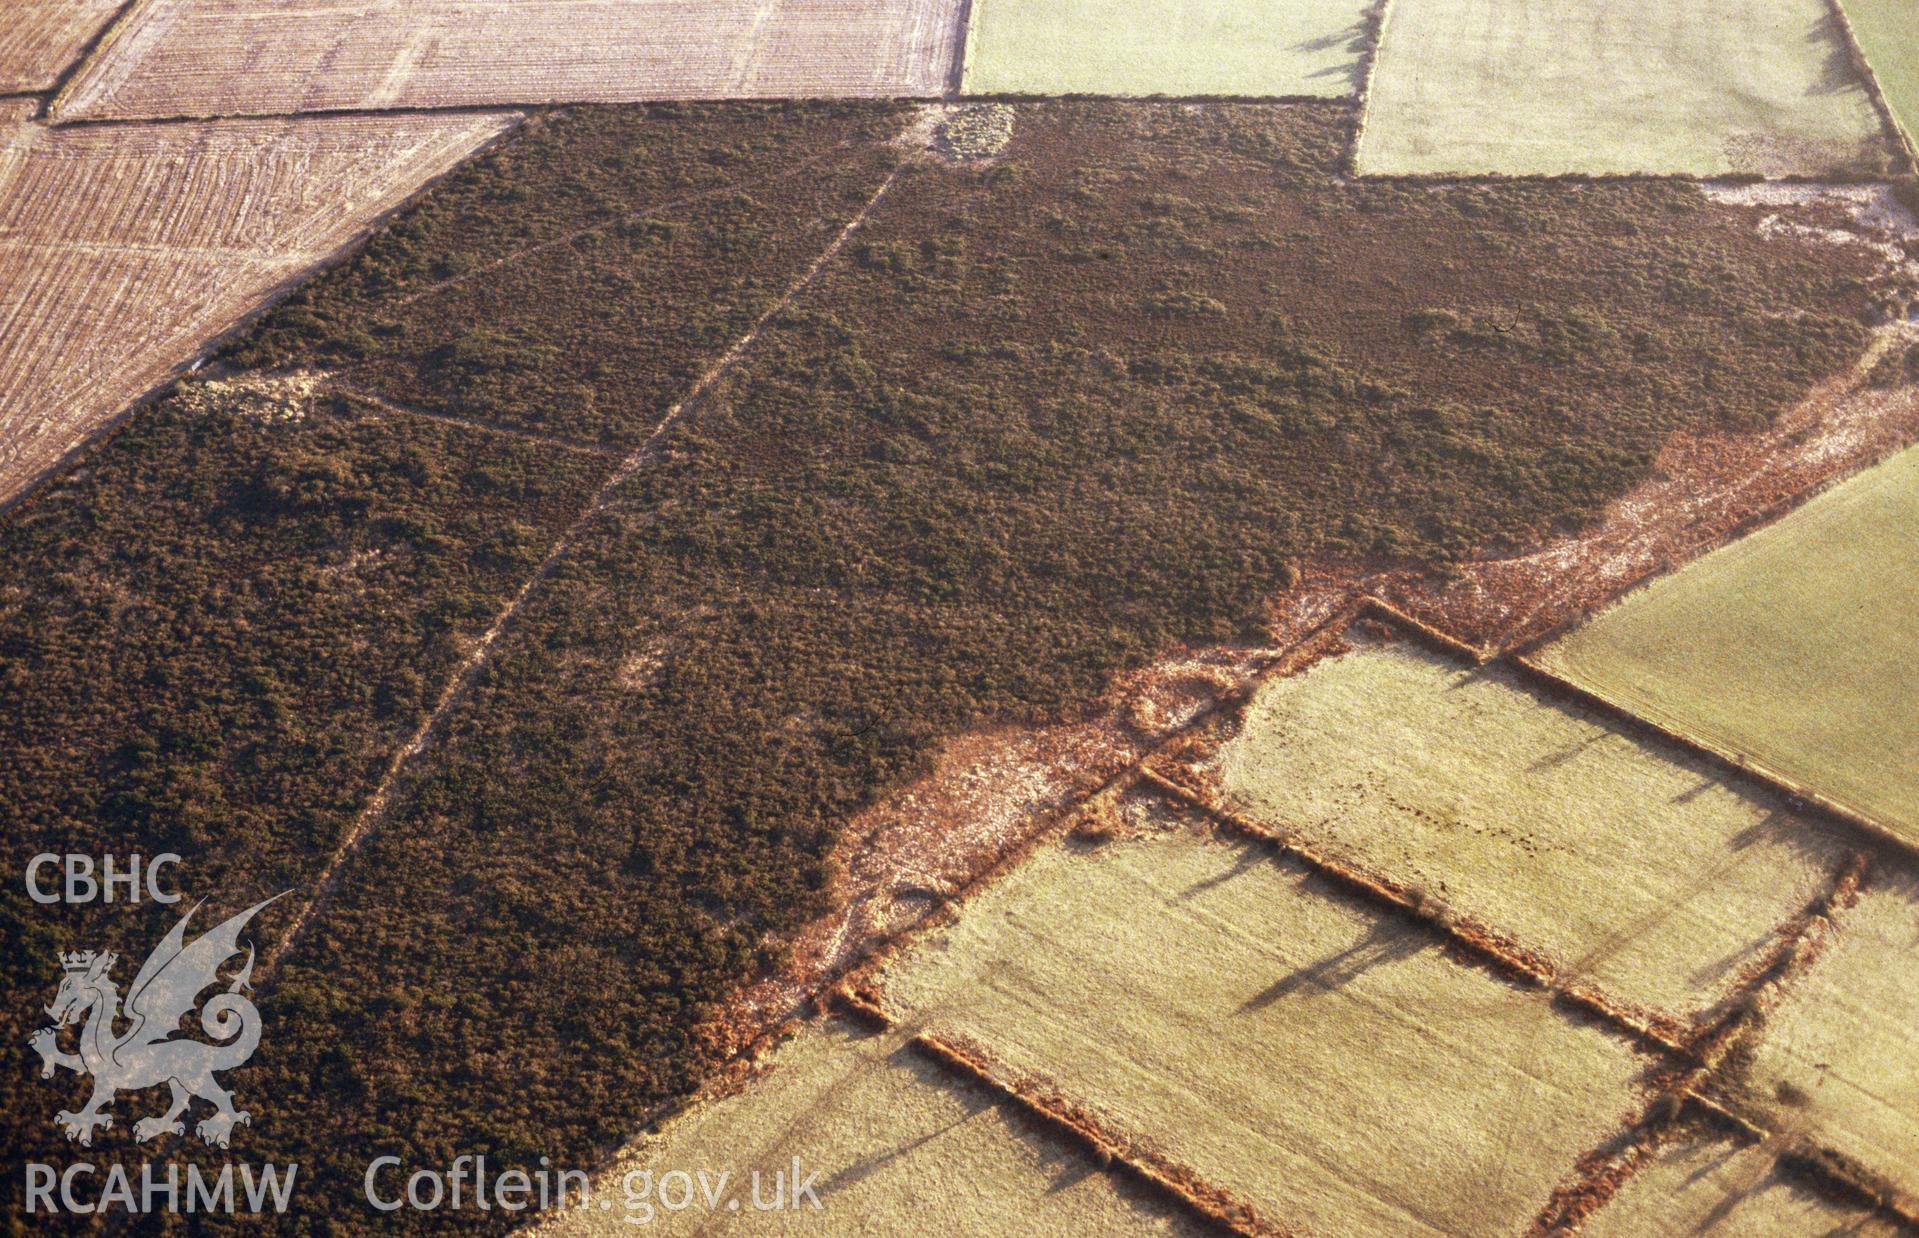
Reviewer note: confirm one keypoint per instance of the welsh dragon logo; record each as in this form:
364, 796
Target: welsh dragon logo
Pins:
146, 1054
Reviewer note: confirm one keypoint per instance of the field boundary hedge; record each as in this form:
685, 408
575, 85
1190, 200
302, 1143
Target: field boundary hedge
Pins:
1737, 763
1862, 65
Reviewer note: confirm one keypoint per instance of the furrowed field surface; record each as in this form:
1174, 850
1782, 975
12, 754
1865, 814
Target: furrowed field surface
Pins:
1540, 87
40, 38
1321, 1059
1888, 34
1791, 647
1836, 1059
215, 633
1624, 862
235, 58
980, 465
578, 284
123, 249
1706, 1182
899, 1142
1194, 47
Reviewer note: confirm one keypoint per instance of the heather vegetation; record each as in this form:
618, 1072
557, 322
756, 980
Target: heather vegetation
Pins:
212, 636
574, 283
1043, 418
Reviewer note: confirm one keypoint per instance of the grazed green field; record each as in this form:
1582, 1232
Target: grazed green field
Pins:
1188, 47
1531, 87
1326, 1062
1792, 647
1888, 32
1625, 862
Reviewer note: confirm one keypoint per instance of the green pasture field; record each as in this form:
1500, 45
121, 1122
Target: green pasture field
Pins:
1628, 863
1793, 647
1888, 33
1190, 47
1321, 1059
1542, 87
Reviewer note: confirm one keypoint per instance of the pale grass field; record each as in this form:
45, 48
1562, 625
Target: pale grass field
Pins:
242, 58
1323, 1061
1714, 1186
1792, 647
1628, 863
1181, 47
1847, 1037
899, 1145
1888, 33
1538, 87
40, 38
124, 249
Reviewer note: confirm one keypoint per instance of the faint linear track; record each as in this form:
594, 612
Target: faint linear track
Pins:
649, 212
584, 446
374, 812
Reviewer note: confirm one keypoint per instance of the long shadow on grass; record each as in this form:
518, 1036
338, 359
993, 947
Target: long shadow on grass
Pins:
1386, 942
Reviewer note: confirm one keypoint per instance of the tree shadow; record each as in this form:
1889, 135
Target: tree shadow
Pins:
1386, 942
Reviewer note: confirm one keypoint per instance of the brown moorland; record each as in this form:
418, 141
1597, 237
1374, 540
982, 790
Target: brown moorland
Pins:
1045, 416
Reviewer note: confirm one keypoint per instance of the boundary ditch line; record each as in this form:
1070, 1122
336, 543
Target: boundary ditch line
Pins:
1554, 684
1732, 762
1375, 36
1109, 1149
406, 412
1598, 1175
513, 124
61, 80
1519, 965
1862, 65
962, 50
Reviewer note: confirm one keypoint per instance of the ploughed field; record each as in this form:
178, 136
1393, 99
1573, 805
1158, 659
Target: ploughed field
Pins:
831, 446
171, 58
123, 250
41, 38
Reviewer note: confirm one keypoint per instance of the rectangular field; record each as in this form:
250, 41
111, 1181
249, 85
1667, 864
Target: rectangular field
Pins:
1707, 1184
1792, 647
1327, 1063
1836, 1057
40, 38
124, 250
1888, 34
1541, 87
236, 58
899, 1144
1626, 863
1190, 47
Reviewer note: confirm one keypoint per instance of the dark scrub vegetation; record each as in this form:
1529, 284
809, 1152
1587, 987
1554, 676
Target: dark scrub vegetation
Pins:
577, 281
1040, 420
213, 635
